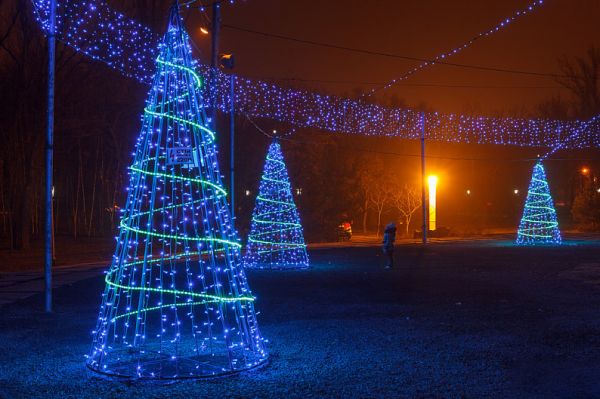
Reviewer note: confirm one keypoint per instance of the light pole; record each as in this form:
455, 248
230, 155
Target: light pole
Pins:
216, 27
48, 233
423, 191
227, 62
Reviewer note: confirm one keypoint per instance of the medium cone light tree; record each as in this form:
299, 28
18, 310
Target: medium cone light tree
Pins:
176, 303
539, 224
276, 239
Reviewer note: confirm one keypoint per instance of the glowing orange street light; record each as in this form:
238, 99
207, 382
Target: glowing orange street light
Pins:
204, 31
432, 182
585, 170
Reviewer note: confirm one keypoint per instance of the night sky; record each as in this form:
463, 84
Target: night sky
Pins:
424, 29
411, 28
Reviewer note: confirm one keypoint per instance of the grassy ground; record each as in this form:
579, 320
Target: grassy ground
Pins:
457, 320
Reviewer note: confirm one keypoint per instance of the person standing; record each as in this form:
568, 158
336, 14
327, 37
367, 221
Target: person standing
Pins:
389, 237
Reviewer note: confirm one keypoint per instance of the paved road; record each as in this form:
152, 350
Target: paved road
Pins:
477, 320
15, 286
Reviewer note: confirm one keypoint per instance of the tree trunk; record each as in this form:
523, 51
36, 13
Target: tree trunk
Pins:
76, 206
364, 221
379, 211
94, 189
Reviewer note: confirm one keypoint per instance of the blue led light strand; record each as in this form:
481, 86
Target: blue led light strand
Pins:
93, 28
306, 109
176, 302
441, 57
576, 139
539, 224
276, 239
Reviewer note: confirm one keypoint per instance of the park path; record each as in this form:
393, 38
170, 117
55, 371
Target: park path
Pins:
15, 286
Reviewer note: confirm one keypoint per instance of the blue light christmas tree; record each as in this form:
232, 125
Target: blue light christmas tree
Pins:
276, 239
539, 224
177, 303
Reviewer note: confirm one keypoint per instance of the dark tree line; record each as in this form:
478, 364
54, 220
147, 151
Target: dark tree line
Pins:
98, 119
93, 114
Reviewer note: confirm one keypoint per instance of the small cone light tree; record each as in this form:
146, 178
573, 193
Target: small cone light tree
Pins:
177, 303
539, 224
276, 239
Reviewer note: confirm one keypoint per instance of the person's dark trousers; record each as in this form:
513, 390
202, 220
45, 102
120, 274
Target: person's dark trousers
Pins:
390, 258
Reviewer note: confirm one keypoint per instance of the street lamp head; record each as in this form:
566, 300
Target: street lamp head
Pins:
432, 180
585, 171
203, 30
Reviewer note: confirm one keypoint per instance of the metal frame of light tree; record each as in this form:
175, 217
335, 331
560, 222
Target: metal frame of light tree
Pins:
539, 224
276, 239
177, 303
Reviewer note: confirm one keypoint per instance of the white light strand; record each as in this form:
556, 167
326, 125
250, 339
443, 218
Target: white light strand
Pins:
441, 57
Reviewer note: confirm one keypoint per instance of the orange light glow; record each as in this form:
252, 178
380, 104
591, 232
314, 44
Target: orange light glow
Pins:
432, 181
585, 170
204, 31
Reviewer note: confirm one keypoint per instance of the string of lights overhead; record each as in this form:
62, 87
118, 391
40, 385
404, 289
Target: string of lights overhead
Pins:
441, 57
95, 29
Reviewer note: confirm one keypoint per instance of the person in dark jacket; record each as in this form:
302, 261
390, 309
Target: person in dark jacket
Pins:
389, 237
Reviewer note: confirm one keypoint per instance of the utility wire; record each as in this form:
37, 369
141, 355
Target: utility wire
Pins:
202, 6
350, 82
392, 55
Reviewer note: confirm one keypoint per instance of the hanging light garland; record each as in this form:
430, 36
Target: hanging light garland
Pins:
95, 29
443, 56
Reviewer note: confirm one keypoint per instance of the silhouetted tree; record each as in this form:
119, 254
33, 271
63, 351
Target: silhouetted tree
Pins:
407, 200
586, 206
582, 79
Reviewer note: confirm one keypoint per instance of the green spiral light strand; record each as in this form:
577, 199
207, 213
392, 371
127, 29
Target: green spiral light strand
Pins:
176, 302
539, 224
276, 239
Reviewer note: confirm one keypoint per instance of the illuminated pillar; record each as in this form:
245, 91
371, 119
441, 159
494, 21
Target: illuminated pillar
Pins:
432, 181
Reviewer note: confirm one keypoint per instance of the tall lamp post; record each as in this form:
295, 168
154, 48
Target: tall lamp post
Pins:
423, 195
227, 62
48, 228
216, 27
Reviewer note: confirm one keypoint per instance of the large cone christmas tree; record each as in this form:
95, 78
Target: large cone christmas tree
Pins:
176, 303
539, 224
276, 239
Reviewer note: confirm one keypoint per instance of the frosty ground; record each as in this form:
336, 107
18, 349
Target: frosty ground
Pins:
471, 319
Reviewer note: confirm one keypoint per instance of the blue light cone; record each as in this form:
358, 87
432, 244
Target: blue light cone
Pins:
276, 239
177, 303
539, 225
